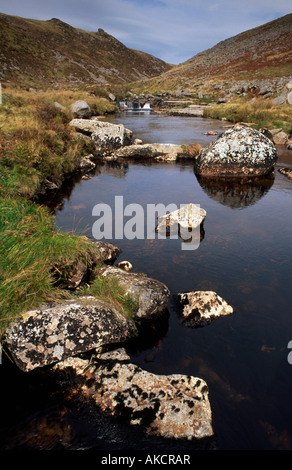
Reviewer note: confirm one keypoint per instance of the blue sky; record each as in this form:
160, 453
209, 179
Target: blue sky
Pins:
173, 30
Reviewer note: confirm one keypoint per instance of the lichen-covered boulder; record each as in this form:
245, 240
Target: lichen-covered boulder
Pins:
106, 136
174, 406
201, 307
53, 333
239, 151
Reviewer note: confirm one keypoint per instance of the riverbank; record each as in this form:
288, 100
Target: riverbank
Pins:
39, 148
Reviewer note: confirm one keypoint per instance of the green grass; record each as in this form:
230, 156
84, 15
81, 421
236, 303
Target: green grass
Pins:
36, 143
109, 290
259, 112
30, 248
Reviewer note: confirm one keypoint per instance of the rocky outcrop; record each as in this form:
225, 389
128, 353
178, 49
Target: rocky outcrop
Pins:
174, 406
150, 295
239, 151
156, 151
201, 307
54, 333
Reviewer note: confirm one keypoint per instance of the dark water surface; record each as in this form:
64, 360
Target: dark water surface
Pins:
245, 256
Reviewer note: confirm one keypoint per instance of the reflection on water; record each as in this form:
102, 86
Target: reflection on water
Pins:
245, 256
236, 193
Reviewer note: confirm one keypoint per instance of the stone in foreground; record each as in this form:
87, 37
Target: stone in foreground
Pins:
201, 307
52, 334
174, 406
239, 151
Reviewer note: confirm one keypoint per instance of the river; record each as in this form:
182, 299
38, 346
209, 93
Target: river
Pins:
244, 256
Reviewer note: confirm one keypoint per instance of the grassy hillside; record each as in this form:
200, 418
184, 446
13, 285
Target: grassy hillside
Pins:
261, 53
52, 53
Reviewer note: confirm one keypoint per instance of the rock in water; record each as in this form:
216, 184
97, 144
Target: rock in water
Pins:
201, 307
239, 151
187, 217
174, 406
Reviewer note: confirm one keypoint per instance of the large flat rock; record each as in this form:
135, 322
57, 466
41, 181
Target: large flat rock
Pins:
170, 406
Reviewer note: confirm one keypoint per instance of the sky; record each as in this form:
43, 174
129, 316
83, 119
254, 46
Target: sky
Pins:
172, 30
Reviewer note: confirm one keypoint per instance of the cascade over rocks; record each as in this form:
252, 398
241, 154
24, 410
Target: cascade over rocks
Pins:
239, 151
174, 406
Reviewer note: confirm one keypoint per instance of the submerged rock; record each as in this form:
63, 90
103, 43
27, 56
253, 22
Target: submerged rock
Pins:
54, 333
239, 151
151, 295
201, 307
174, 406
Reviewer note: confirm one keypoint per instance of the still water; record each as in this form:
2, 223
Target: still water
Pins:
244, 256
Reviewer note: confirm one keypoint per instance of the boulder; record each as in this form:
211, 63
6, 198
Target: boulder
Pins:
54, 333
151, 295
239, 151
201, 307
169, 406
81, 109
154, 151
187, 217
105, 135
289, 98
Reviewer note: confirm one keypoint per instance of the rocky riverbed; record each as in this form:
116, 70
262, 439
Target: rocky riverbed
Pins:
59, 335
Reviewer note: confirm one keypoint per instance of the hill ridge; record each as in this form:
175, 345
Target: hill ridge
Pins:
54, 53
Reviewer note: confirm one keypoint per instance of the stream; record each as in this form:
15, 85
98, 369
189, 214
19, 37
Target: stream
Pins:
244, 256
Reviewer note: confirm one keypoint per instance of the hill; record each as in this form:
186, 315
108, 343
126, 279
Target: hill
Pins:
261, 53
53, 53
